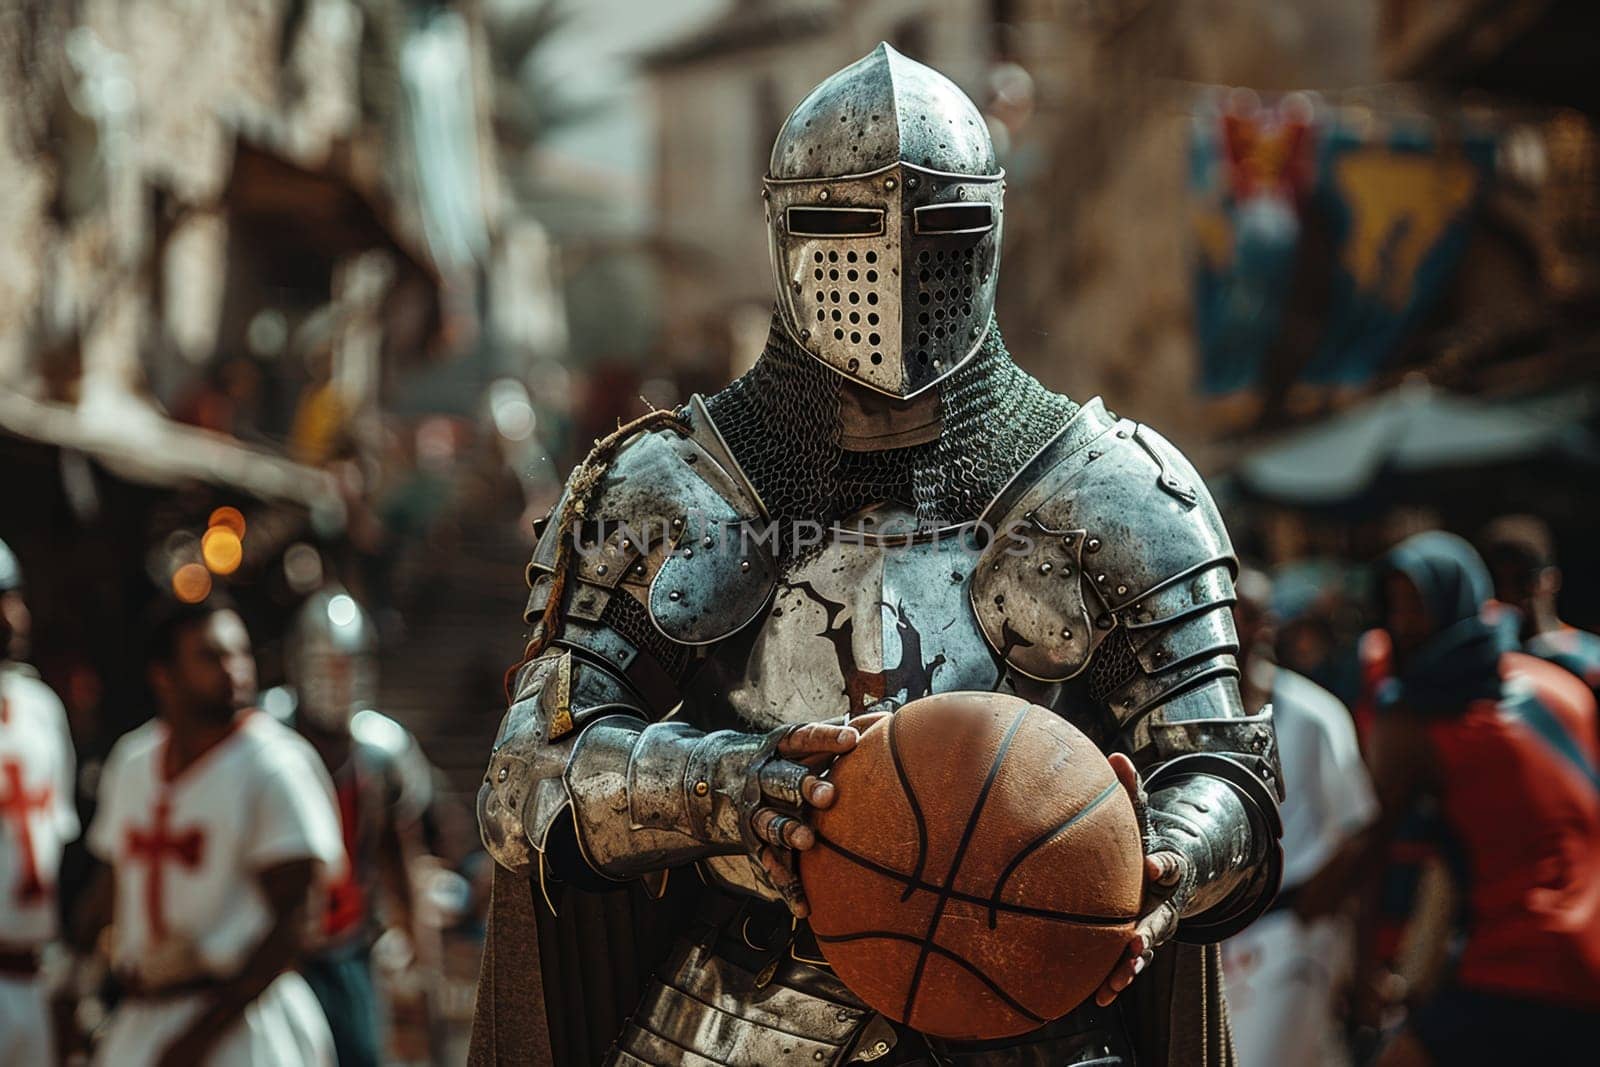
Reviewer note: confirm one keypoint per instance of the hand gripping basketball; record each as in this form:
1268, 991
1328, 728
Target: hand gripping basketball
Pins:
1167, 890
781, 787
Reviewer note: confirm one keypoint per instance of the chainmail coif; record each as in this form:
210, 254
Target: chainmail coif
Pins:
781, 419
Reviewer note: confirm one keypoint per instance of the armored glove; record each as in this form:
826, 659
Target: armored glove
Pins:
685, 794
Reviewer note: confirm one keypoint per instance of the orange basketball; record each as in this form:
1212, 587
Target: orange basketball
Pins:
980, 871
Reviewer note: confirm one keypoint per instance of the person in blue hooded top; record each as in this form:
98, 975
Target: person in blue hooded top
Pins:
1503, 745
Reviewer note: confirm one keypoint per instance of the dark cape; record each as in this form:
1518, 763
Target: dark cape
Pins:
554, 990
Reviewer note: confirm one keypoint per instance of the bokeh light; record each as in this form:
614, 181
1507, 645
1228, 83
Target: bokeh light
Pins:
302, 568
342, 610
229, 518
222, 550
191, 583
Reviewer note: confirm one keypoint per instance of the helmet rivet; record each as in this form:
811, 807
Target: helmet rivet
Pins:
823, 195
707, 542
688, 553
744, 565
888, 183
973, 331
961, 192
805, 335
911, 182
1045, 567
1122, 590
1066, 635
601, 568
766, 194
675, 595
1093, 544
503, 773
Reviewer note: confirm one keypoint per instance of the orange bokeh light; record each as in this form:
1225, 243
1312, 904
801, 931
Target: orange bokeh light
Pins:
222, 550
228, 518
191, 583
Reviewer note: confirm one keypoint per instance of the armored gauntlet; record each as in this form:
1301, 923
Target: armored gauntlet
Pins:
645, 797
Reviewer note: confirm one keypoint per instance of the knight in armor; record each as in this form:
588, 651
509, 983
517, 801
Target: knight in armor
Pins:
885, 506
384, 785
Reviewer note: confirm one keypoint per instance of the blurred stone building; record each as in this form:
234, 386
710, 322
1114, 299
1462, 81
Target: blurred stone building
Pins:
261, 255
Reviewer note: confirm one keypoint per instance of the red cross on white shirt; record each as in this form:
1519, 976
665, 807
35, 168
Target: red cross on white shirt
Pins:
16, 806
153, 847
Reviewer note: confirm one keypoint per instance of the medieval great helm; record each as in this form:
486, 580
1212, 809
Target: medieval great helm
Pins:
331, 659
883, 212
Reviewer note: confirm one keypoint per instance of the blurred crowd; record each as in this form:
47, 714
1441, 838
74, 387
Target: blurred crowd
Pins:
267, 877
247, 877
1441, 891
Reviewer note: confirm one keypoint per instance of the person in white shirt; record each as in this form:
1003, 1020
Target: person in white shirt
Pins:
219, 828
37, 820
1282, 971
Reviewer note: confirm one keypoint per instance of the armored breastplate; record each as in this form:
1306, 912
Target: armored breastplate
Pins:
875, 616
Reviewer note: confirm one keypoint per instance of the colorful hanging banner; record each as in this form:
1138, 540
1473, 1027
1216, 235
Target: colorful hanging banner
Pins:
1357, 222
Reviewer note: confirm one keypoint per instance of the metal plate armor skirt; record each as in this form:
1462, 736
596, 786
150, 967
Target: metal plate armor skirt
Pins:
722, 1000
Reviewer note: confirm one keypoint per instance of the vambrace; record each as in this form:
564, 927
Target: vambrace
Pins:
648, 797
524, 793
1210, 770
1221, 817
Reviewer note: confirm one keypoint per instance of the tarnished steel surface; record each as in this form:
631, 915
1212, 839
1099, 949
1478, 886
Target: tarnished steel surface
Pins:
1218, 812
884, 217
872, 620
882, 109
1200, 592
1111, 516
522, 790
1190, 638
1143, 692
650, 796
705, 1008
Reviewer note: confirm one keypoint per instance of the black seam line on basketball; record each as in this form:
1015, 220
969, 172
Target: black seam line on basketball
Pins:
955, 861
972, 898
892, 935
1040, 841
916, 812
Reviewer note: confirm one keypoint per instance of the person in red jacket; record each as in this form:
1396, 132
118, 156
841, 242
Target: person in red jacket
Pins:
1502, 743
